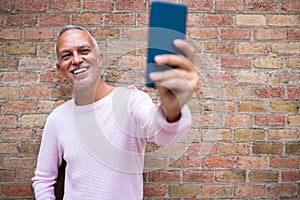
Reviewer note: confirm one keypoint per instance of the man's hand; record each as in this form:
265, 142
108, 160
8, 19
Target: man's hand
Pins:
176, 86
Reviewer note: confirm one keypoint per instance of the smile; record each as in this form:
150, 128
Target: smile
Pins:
79, 71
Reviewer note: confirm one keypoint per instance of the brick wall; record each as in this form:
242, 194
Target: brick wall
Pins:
244, 143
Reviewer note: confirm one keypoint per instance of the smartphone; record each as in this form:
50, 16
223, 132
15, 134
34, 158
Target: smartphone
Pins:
167, 23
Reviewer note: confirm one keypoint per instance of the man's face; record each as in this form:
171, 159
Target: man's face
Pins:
77, 58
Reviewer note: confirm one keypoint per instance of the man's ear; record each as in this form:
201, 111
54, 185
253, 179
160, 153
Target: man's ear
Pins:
100, 58
58, 67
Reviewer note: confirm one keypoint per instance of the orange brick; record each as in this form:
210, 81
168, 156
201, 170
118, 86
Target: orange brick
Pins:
65, 5
29, 148
284, 162
287, 77
246, 48
290, 176
216, 134
221, 77
19, 106
234, 149
8, 148
292, 148
235, 62
283, 190
54, 19
249, 77
252, 106
34, 63
8, 121
237, 120
219, 48
251, 20
284, 106
202, 149
263, 176
237, 92
31, 5
10, 34
21, 20
198, 5
235, 34
217, 19
131, 5
164, 176
282, 134
185, 162
9, 92
198, 176
51, 77
20, 77
263, 5
283, 20
17, 134
249, 134
293, 62
269, 92
219, 106
217, 190
270, 120
267, 148
231, 176
203, 33
193, 19
293, 34
230, 5
7, 176
206, 120
103, 5
17, 189
268, 34
37, 92
268, 62
38, 33
286, 48
183, 190
33, 120
290, 5
252, 162
87, 19
294, 120
19, 162
154, 190
6, 5
120, 19
217, 162
63, 92
250, 190
25, 175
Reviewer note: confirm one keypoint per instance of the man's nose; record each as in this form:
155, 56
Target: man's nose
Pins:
77, 59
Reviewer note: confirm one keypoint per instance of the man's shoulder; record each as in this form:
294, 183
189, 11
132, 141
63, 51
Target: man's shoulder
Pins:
61, 110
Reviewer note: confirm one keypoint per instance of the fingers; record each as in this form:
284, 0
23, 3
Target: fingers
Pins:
174, 60
185, 47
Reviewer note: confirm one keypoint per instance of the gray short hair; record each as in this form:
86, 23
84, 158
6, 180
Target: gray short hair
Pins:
71, 27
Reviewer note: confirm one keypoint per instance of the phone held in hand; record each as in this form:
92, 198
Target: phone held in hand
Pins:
167, 23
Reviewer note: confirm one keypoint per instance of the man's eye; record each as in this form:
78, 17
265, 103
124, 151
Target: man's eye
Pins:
65, 57
85, 51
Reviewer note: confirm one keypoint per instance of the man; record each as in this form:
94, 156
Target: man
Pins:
102, 132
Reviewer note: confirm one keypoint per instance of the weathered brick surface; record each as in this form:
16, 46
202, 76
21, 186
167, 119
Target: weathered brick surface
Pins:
244, 143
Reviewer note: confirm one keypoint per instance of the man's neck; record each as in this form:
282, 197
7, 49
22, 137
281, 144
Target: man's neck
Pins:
93, 93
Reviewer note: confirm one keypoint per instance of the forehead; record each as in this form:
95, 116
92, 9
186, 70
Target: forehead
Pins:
73, 38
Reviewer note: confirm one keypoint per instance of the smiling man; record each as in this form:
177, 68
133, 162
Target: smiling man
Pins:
102, 131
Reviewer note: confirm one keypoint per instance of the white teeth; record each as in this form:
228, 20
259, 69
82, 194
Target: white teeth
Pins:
78, 71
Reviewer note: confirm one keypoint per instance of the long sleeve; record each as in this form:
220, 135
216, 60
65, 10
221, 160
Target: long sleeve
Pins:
152, 123
47, 165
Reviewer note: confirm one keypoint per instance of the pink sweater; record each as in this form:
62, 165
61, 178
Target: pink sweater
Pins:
103, 145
